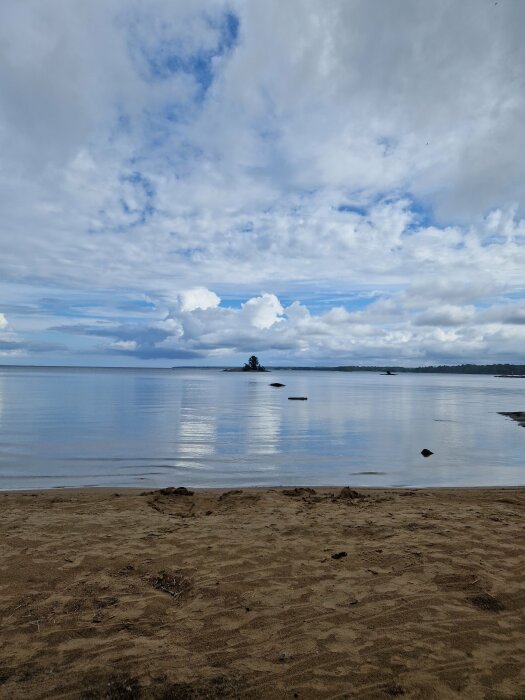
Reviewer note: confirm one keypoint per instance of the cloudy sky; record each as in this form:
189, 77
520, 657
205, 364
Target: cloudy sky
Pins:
187, 182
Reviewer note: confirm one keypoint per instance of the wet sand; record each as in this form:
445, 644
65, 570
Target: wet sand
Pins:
123, 594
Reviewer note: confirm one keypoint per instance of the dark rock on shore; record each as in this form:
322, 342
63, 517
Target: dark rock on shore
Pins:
171, 491
339, 555
518, 416
347, 492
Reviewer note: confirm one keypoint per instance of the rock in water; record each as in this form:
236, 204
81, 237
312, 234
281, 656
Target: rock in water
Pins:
426, 453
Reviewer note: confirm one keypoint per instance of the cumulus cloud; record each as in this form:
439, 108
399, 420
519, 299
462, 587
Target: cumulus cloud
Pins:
293, 334
263, 312
198, 298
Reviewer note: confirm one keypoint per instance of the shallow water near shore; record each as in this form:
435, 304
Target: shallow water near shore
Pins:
62, 427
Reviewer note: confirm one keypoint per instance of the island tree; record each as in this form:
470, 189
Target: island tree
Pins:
253, 365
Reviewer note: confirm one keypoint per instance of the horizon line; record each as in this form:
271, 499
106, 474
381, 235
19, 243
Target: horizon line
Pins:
274, 367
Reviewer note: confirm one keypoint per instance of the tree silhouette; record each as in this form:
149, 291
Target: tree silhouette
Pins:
253, 365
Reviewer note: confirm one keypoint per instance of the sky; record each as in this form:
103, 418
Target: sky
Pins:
317, 183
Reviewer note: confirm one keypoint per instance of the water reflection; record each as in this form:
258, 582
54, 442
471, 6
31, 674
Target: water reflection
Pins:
197, 422
204, 428
262, 422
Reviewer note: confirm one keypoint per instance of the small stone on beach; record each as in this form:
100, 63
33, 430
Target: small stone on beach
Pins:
339, 555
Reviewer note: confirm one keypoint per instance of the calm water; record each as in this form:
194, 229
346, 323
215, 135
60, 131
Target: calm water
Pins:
70, 427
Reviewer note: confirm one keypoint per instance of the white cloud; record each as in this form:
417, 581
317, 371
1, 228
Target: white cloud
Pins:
148, 150
263, 311
295, 335
125, 345
198, 298
446, 315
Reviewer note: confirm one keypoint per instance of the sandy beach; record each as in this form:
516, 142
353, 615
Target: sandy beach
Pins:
270, 593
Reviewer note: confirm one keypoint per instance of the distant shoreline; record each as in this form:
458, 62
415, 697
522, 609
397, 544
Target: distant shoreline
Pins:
497, 370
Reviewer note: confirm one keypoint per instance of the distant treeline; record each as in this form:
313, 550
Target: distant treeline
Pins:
446, 369
505, 369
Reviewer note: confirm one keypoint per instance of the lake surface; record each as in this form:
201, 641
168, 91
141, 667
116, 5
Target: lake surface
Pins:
102, 427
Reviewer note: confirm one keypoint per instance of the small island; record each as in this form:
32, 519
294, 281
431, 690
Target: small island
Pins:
252, 365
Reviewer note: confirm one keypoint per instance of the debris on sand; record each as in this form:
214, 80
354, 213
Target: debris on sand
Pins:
299, 492
227, 494
339, 555
219, 687
426, 453
116, 687
172, 491
173, 584
121, 687
347, 492
485, 601
106, 602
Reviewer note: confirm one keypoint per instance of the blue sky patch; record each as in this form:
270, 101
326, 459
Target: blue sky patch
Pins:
352, 209
168, 58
